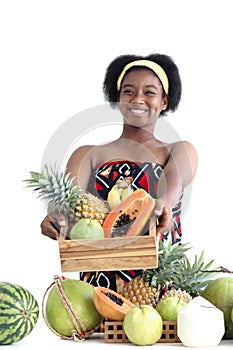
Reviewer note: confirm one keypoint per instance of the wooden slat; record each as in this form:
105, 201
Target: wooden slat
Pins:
109, 264
135, 254
105, 243
70, 249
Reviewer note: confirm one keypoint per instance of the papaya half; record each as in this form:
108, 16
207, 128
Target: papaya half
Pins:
130, 216
110, 304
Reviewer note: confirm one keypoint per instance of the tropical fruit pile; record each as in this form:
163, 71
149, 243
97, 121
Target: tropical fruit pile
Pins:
76, 310
155, 296
125, 212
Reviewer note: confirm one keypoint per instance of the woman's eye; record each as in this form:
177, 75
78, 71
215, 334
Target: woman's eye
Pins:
149, 92
127, 92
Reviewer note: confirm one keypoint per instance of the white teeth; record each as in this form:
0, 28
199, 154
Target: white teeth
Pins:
138, 111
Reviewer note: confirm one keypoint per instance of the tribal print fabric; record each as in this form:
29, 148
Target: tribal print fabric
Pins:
143, 175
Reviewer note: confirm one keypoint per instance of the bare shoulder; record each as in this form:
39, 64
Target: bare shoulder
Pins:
83, 150
184, 155
182, 148
81, 154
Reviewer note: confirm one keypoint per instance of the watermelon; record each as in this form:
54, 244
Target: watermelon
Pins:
19, 312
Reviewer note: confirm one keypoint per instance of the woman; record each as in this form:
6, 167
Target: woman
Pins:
143, 89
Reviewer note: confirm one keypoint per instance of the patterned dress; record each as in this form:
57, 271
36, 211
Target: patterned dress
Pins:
144, 175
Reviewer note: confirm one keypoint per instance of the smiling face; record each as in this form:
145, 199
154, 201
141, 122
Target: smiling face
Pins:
141, 98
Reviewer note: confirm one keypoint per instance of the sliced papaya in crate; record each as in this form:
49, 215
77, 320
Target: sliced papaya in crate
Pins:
130, 240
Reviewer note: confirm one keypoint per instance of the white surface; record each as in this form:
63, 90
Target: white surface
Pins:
52, 63
42, 337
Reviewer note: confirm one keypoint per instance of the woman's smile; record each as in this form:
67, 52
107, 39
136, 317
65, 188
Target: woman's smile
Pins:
138, 111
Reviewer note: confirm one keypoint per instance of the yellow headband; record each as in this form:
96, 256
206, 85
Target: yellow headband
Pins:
157, 69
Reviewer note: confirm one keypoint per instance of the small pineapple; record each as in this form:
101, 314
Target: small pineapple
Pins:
91, 207
182, 294
62, 195
175, 276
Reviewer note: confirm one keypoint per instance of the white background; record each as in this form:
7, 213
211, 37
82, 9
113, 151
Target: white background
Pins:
52, 64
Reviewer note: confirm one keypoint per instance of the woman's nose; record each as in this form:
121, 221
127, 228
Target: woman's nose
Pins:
137, 98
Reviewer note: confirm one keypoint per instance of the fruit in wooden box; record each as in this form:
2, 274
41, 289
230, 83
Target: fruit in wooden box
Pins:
119, 192
19, 313
130, 216
110, 304
87, 229
63, 195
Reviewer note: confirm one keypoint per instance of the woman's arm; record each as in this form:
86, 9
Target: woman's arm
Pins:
79, 165
79, 168
179, 172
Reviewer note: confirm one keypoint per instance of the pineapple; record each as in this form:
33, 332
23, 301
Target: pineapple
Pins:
194, 277
175, 276
182, 294
140, 292
63, 195
90, 206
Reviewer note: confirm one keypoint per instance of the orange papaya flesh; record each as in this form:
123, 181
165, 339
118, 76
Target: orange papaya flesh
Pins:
111, 305
130, 216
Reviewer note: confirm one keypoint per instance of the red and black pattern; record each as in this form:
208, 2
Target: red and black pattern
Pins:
144, 175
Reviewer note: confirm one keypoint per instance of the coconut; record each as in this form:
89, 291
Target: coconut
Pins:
220, 293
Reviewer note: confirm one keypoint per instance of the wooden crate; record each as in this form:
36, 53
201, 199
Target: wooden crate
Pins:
169, 334
110, 254
114, 332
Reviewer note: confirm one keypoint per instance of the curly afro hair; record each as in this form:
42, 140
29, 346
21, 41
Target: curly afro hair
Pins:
116, 66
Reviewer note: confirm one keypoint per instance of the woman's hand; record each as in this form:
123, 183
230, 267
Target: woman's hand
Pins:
50, 227
164, 218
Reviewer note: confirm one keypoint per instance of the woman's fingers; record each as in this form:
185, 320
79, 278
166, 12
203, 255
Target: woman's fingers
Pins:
50, 228
164, 222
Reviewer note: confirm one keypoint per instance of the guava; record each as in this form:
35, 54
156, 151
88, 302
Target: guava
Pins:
168, 308
80, 294
143, 325
87, 229
220, 293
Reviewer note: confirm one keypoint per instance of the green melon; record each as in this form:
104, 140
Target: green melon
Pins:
220, 293
80, 295
19, 312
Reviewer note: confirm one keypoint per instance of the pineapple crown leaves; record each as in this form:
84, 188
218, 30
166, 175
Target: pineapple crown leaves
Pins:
176, 271
194, 277
170, 256
54, 187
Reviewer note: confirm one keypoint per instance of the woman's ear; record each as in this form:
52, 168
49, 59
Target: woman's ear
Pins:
165, 102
